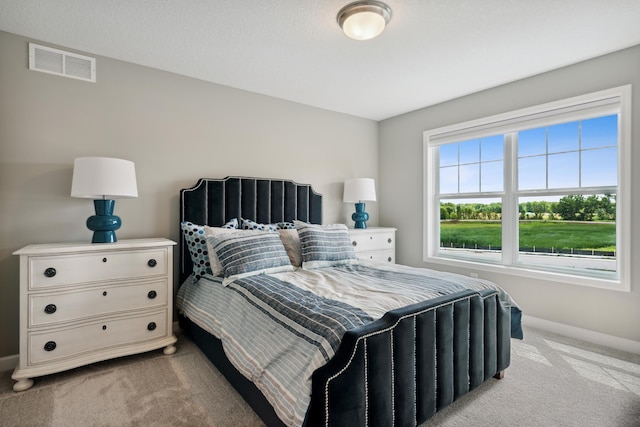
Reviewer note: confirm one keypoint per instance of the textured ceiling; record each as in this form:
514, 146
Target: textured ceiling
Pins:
432, 50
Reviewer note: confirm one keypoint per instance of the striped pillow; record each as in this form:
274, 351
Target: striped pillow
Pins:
325, 245
249, 253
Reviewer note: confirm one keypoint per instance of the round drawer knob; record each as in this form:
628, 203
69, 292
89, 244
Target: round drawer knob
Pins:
152, 294
151, 326
104, 293
50, 272
50, 308
50, 346
389, 240
389, 259
104, 327
354, 243
152, 262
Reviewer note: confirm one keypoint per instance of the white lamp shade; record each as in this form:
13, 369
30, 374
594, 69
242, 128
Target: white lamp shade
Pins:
359, 190
104, 178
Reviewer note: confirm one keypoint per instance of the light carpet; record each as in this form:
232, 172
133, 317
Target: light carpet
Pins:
552, 381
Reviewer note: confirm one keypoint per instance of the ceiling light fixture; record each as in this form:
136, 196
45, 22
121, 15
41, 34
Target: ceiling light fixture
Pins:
364, 20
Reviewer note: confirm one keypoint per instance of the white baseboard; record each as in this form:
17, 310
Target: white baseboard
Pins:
599, 338
8, 363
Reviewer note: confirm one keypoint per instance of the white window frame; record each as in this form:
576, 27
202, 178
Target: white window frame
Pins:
594, 104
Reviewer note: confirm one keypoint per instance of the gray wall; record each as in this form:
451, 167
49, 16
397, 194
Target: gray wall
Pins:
610, 312
174, 128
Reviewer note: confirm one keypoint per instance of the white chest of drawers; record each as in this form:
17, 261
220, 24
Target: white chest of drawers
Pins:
374, 243
81, 303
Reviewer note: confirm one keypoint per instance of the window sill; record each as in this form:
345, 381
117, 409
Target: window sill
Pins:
531, 272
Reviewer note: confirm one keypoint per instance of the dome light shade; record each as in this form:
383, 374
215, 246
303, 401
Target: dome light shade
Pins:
364, 20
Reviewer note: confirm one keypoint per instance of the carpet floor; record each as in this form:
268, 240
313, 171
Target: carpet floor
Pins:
552, 381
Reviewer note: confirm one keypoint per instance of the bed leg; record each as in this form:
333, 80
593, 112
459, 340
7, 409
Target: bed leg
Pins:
499, 375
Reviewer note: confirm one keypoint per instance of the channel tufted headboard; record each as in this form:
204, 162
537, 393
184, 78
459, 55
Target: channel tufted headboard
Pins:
213, 202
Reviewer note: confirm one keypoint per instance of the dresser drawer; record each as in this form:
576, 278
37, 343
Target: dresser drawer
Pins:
379, 256
47, 346
373, 241
52, 308
48, 271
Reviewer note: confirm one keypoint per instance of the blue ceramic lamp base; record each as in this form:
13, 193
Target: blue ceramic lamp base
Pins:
360, 216
104, 223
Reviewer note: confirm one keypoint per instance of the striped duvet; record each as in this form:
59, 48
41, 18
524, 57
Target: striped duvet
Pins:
277, 329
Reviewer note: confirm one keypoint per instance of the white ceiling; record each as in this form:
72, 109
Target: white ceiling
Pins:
431, 51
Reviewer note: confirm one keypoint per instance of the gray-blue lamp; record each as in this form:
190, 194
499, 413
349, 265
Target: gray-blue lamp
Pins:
104, 179
358, 191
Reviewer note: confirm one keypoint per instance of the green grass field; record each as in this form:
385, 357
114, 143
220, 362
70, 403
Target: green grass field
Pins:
541, 234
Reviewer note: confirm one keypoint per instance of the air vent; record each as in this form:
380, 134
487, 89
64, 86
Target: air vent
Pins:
66, 64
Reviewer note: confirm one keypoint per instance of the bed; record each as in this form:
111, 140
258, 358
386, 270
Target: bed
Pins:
398, 368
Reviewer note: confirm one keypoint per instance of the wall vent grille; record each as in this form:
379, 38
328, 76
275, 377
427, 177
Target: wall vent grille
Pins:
61, 63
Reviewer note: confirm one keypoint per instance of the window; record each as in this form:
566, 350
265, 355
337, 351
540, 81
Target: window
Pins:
544, 189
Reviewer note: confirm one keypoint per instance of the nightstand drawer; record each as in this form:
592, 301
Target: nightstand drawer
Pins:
380, 256
53, 308
373, 241
48, 271
47, 346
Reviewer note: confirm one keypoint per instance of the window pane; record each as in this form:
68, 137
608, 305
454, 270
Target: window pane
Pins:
470, 178
471, 228
600, 132
600, 167
492, 148
448, 154
491, 176
532, 173
470, 151
563, 137
564, 170
449, 180
574, 231
532, 142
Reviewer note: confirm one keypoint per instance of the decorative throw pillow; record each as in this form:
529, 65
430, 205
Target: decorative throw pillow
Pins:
291, 242
325, 245
194, 236
248, 224
248, 253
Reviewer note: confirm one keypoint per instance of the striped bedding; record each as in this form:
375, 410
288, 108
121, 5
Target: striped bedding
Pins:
277, 329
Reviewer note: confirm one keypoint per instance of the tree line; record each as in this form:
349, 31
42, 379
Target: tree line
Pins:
575, 207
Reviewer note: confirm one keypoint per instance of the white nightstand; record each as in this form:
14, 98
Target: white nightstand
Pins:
81, 303
374, 243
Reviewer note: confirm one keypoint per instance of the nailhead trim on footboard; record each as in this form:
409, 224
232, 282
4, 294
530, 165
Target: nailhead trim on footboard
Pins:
379, 377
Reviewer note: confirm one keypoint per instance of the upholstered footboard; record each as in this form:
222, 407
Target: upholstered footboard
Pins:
401, 369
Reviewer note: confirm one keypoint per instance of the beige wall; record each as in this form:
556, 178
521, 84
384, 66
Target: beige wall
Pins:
174, 128
400, 189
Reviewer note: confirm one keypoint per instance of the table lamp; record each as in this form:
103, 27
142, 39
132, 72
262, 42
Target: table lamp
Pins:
359, 190
104, 179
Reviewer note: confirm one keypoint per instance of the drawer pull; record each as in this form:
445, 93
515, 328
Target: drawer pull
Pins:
104, 260
50, 346
152, 263
389, 259
151, 326
354, 243
50, 272
389, 240
152, 294
104, 294
104, 327
50, 308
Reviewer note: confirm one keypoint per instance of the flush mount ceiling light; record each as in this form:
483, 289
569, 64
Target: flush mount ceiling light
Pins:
364, 20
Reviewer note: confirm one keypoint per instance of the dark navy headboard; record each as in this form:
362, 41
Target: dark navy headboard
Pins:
213, 202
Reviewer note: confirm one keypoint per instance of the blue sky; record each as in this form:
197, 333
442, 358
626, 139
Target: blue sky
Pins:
576, 154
